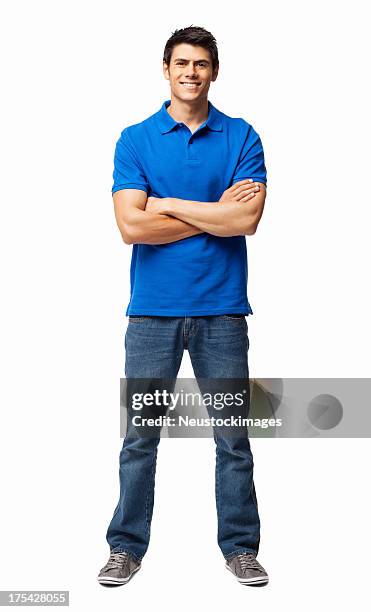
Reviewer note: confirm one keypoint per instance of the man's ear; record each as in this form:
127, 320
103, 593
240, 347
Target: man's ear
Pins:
165, 69
215, 73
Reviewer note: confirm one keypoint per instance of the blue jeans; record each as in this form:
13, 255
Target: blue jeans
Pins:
218, 348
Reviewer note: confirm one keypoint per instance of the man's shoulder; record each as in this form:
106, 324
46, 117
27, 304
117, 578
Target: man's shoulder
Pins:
138, 130
239, 127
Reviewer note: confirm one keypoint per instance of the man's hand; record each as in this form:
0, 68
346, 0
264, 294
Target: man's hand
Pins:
155, 205
242, 191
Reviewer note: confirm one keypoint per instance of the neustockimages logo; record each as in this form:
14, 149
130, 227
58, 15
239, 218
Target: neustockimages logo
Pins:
218, 401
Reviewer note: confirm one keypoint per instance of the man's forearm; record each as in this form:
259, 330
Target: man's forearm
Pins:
153, 228
217, 218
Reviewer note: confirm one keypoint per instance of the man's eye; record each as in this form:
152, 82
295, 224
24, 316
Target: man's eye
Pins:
182, 64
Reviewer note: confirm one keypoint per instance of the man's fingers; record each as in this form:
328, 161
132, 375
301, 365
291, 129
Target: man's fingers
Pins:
240, 183
247, 198
239, 190
242, 191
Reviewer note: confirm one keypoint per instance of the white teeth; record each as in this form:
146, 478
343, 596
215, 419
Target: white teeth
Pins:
190, 85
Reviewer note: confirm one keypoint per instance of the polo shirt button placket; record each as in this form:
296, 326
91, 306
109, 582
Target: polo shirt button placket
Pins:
190, 150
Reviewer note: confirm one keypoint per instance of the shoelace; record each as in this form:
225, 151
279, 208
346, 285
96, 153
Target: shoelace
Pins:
248, 561
117, 559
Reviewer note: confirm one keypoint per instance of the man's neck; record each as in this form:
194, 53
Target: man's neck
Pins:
191, 114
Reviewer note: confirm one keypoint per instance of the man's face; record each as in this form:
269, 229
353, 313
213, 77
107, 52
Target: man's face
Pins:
192, 65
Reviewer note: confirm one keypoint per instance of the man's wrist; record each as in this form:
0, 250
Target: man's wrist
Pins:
167, 205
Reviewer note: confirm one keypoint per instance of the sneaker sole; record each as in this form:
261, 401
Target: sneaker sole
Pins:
108, 580
257, 580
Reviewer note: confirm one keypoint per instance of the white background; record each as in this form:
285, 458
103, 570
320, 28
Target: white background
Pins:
74, 74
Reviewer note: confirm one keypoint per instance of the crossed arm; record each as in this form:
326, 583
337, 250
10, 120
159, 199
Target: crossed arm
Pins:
143, 220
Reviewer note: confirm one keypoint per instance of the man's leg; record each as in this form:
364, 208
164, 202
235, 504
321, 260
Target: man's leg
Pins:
218, 348
154, 349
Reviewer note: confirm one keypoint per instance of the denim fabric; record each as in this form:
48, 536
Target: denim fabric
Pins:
218, 348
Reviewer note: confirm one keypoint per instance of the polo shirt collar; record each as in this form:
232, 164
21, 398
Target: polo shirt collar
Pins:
166, 122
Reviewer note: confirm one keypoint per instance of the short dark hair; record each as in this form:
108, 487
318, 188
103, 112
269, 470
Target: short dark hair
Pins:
193, 35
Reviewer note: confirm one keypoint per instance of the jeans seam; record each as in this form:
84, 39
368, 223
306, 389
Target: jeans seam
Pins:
217, 482
150, 487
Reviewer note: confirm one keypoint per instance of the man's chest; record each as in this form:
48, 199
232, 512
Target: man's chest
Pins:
197, 166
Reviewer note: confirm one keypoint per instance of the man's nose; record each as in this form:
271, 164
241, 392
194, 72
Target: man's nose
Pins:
191, 71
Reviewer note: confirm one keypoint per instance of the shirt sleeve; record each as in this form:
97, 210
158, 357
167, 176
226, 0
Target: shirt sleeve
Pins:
251, 163
128, 172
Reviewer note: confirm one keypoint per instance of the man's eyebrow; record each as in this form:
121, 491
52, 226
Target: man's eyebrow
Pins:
181, 59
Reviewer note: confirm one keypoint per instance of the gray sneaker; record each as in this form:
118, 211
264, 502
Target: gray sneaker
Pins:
119, 569
247, 569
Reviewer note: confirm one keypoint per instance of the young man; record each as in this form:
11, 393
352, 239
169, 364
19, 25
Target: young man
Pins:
189, 185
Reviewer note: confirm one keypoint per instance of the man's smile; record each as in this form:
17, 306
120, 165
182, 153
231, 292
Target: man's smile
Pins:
190, 84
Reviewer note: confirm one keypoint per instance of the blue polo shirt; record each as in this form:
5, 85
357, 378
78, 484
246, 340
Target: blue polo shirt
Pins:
203, 274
